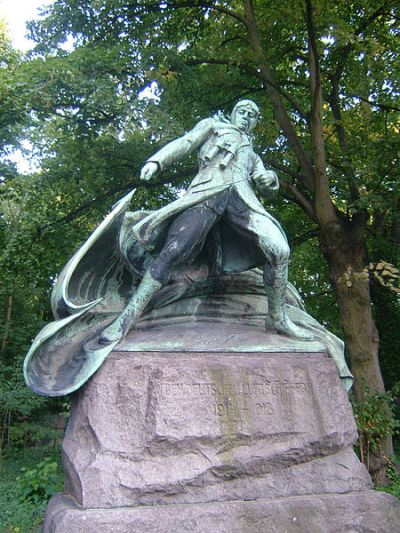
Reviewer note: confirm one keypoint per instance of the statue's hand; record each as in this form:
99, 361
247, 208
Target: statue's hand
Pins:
265, 180
148, 171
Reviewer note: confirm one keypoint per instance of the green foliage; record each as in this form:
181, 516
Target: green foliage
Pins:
376, 420
27, 480
13, 112
41, 482
386, 300
387, 313
393, 487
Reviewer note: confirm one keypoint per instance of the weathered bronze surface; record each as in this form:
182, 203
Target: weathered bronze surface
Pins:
196, 254
219, 213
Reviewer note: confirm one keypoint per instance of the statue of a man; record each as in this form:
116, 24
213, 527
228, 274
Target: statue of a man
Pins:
220, 194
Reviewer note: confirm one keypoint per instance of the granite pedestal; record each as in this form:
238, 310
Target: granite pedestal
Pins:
212, 437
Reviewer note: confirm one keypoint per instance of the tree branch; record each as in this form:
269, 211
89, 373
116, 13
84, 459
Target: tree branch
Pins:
334, 102
298, 198
322, 200
384, 107
333, 99
304, 237
344, 51
276, 97
109, 194
254, 72
278, 166
225, 11
162, 6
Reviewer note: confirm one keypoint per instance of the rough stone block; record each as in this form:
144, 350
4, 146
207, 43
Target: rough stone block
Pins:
368, 512
223, 442
154, 428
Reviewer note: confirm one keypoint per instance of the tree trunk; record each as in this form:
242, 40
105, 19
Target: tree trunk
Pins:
342, 241
7, 323
344, 248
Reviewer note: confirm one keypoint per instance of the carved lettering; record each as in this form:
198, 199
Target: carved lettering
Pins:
249, 389
229, 410
263, 409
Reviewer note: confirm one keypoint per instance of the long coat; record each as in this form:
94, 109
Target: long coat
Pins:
226, 160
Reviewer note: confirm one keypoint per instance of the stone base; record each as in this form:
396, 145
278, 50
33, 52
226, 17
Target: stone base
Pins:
172, 428
368, 512
212, 441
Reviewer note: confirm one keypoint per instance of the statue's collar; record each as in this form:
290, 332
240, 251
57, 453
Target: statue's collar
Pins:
229, 126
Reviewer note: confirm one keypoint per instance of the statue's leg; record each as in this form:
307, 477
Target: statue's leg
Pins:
276, 250
275, 280
147, 287
185, 239
270, 239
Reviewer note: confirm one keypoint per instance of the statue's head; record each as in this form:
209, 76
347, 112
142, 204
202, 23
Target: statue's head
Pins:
245, 115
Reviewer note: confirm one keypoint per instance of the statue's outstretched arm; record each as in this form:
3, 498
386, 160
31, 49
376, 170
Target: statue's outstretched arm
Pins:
177, 149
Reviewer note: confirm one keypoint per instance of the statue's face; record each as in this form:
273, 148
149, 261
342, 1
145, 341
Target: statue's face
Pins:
244, 118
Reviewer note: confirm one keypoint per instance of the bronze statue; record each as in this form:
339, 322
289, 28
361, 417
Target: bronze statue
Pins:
140, 266
220, 194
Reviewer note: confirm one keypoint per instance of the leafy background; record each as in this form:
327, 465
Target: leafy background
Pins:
139, 74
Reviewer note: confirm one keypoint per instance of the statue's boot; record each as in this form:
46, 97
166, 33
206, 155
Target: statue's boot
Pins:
133, 311
277, 319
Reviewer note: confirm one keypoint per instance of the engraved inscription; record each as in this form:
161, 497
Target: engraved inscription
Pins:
228, 409
251, 389
263, 409
239, 401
